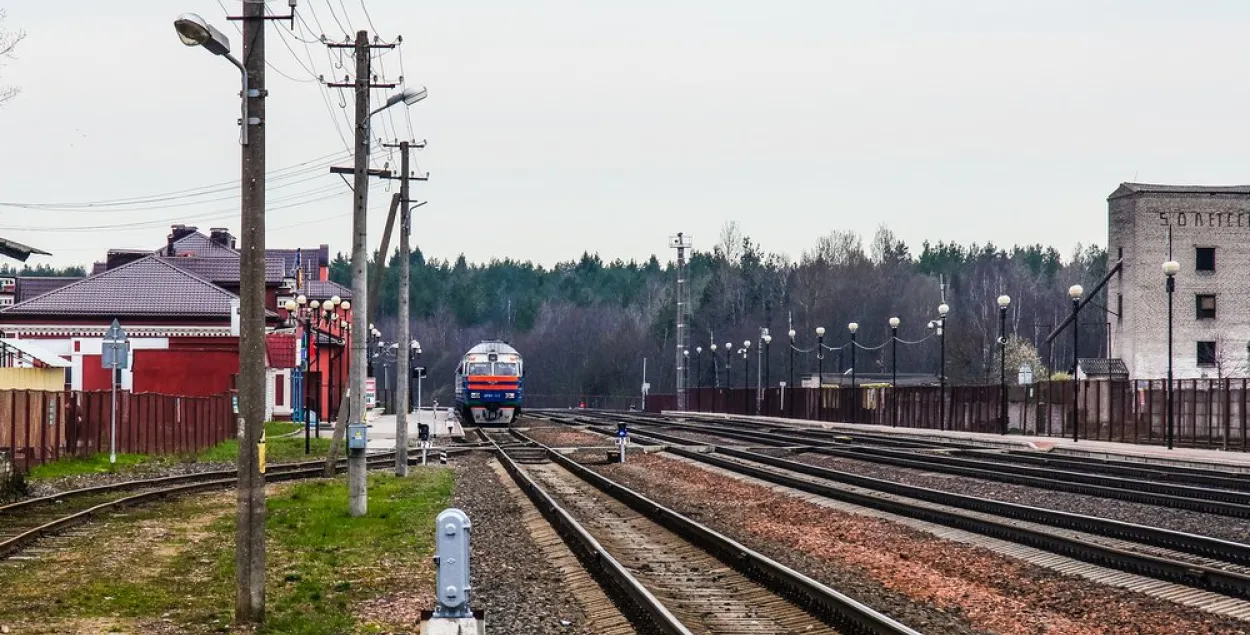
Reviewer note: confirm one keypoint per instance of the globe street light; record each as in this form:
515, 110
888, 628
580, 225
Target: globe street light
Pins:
746, 374
853, 327
1170, 269
894, 322
698, 379
715, 372
1075, 292
790, 385
1003, 302
768, 341
943, 309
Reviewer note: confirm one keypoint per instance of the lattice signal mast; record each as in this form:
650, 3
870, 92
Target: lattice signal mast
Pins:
681, 243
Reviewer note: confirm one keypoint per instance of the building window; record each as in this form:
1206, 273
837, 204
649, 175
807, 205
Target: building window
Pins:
1206, 353
1206, 259
279, 390
1206, 307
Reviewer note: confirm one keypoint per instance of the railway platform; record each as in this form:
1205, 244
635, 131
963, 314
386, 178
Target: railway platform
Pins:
443, 424
1185, 457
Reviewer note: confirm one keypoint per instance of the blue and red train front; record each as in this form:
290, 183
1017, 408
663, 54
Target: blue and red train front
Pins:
492, 387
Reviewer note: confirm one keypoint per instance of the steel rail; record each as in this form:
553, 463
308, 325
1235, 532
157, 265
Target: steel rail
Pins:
591, 554
844, 611
1201, 499
1198, 576
206, 481
1232, 552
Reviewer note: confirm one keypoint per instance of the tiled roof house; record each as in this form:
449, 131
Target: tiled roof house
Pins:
179, 307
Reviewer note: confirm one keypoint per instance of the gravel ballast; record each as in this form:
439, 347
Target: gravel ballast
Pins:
1193, 522
934, 585
520, 591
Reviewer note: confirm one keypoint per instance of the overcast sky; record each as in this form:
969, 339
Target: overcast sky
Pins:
557, 126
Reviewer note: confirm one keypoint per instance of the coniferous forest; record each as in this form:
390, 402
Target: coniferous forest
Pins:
586, 326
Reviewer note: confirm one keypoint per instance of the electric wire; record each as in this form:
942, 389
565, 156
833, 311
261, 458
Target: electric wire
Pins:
290, 202
368, 18
403, 84
267, 62
323, 90
330, 6
291, 171
919, 341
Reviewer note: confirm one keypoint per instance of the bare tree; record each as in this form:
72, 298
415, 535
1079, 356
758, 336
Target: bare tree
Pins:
1228, 363
8, 48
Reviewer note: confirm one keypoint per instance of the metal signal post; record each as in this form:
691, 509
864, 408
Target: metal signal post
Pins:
681, 243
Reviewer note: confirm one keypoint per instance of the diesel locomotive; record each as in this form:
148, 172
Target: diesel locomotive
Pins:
489, 384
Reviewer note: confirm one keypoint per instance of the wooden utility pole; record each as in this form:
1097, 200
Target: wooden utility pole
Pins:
249, 603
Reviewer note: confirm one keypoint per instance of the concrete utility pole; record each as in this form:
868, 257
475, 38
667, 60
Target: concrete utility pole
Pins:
357, 473
249, 603
403, 369
405, 334
357, 482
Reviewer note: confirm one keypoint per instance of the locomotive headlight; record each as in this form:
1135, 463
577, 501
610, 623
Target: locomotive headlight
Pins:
475, 395
511, 395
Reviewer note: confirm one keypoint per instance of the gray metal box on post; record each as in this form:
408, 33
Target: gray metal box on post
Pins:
452, 614
357, 437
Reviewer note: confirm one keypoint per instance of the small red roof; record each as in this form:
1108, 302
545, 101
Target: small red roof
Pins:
280, 350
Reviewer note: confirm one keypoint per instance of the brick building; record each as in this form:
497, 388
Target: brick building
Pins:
1207, 230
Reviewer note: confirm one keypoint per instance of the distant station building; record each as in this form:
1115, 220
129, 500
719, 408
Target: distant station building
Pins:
1206, 229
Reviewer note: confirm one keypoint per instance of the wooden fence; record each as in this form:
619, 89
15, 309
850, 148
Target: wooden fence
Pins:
1209, 413
41, 426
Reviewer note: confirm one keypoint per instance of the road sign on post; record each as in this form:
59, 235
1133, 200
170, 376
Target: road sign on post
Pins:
114, 356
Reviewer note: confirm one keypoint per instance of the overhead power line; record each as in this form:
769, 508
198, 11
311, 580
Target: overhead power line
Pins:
289, 176
289, 202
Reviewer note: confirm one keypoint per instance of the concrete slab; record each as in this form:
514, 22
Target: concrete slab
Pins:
1130, 452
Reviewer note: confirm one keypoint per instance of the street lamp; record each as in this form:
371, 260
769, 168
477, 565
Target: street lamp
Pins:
414, 351
250, 519
790, 395
943, 309
409, 96
820, 373
894, 322
698, 378
715, 372
768, 341
1003, 302
194, 31
853, 327
746, 374
1170, 269
729, 353
1075, 292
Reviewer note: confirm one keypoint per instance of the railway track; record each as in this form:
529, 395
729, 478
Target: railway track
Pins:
1130, 484
678, 576
25, 523
1230, 477
1171, 571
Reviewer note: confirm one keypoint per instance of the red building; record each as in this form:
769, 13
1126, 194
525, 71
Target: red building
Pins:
179, 307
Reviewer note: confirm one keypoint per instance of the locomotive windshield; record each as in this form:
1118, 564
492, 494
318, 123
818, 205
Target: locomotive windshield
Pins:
506, 368
479, 368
